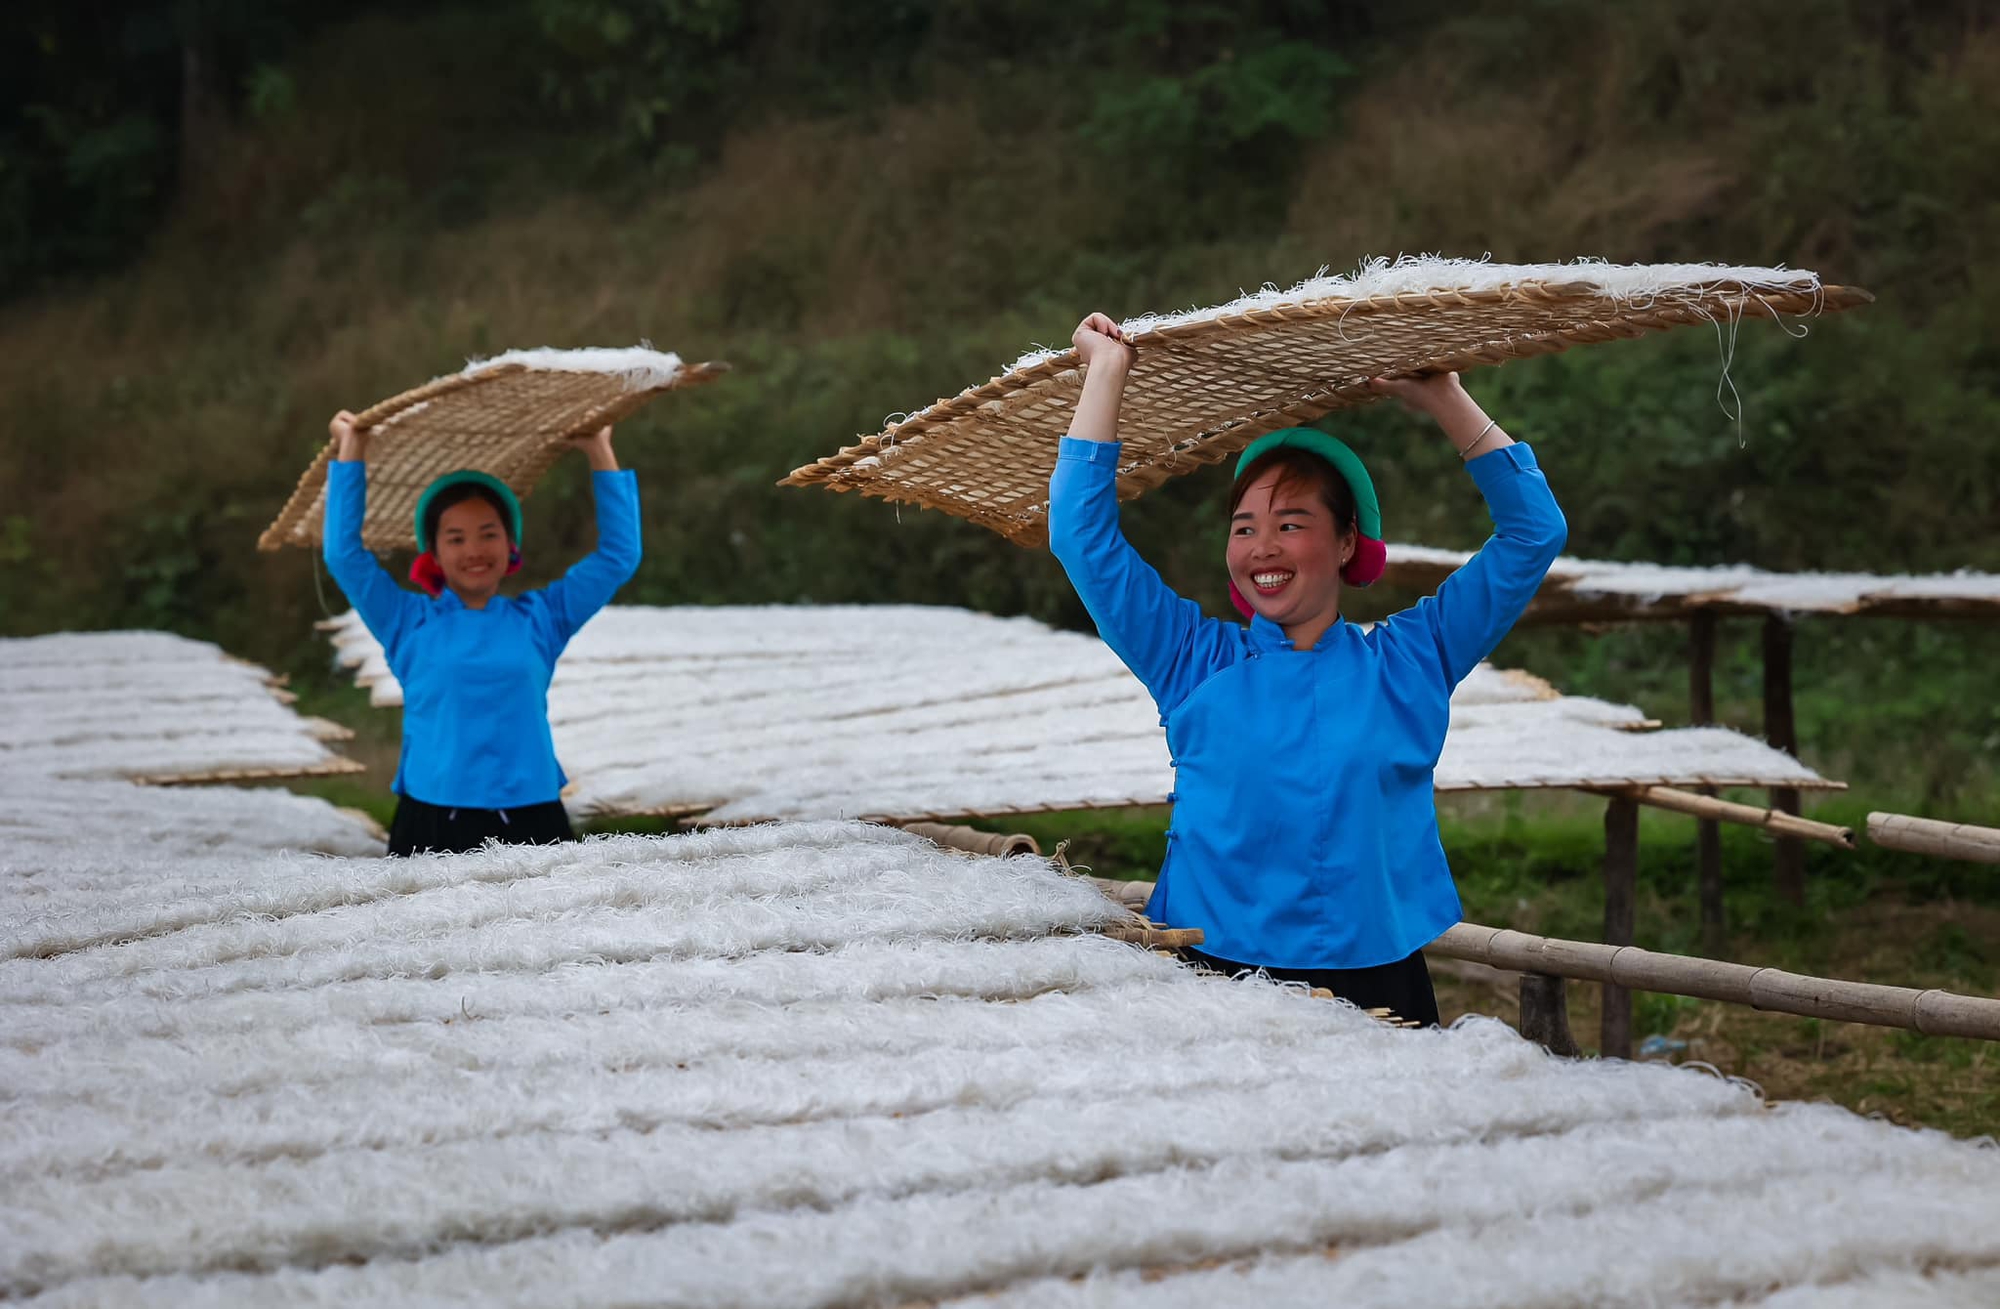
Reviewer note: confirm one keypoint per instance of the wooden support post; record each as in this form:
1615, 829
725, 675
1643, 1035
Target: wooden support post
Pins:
1707, 832
1545, 1013
1621, 888
1781, 730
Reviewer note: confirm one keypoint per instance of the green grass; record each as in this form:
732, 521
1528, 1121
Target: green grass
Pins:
1542, 853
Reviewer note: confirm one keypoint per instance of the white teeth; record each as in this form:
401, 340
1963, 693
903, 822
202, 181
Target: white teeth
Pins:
1270, 579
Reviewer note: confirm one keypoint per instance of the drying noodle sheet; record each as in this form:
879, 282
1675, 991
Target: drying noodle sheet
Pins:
913, 712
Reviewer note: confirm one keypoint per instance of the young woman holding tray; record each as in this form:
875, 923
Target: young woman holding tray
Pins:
1304, 840
478, 761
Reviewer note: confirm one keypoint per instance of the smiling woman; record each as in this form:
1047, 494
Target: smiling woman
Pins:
478, 762
1305, 839
468, 536
1303, 518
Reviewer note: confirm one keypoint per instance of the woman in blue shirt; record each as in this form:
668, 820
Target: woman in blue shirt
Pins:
478, 761
1304, 839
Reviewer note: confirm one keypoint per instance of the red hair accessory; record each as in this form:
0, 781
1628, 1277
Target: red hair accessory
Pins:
426, 573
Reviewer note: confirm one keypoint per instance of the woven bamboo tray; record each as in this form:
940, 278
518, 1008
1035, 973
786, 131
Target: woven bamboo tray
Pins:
1205, 385
504, 417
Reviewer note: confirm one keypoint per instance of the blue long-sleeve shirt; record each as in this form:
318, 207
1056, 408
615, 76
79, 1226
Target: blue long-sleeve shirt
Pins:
1305, 828
476, 681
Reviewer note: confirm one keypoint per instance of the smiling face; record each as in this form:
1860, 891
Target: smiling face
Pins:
471, 546
1288, 543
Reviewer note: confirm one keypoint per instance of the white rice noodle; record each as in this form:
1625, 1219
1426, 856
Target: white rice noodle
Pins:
125, 826
1631, 284
354, 1204
641, 368
1681, 1247
860, 1253
143, 704
795, 896
1736, 584
829, 1064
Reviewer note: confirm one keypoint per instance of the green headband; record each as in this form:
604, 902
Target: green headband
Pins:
1367, 510
468, 477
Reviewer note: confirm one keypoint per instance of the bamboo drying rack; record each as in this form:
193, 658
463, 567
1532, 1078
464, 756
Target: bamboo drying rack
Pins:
510, 420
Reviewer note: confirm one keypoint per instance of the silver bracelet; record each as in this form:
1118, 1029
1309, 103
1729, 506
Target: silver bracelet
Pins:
1474, 442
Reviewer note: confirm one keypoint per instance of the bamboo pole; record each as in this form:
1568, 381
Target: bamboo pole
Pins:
1936, 1013
1928, 836
1133, 895
334, 767
1383, 1015
974, 841
1156, 938
1775, 821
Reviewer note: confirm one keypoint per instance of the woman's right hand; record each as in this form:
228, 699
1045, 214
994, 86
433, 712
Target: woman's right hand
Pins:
349, 442
1100, 341
1107, 359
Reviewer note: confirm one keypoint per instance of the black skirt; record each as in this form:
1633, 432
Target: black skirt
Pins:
1402, 987
420, 828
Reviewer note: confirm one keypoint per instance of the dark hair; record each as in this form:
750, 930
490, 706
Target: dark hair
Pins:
458, 495
1296, 466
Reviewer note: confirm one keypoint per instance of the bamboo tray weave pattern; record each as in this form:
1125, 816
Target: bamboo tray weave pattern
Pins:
1207, 383
507, 416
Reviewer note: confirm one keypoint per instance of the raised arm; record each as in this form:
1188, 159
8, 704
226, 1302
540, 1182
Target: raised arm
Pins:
591, 582
1162, 637
1477, 605
385, 607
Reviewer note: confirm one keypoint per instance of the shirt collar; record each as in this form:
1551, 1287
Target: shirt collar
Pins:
448, 599
1267, 635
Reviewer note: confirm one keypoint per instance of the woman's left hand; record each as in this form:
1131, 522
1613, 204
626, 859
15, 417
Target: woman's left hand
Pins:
1431, 396
596, 447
